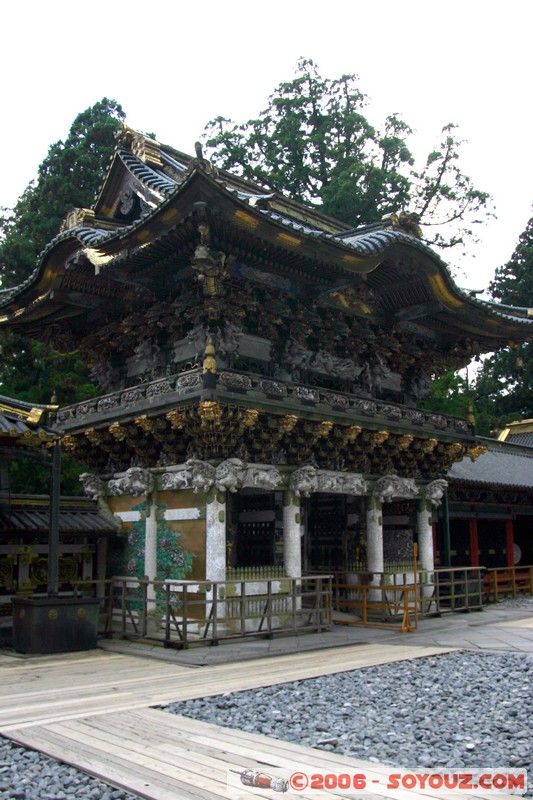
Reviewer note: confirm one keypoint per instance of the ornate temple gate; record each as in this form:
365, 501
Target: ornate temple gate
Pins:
244, 344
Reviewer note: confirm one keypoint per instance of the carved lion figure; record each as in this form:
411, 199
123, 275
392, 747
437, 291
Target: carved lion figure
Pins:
229, 474
434, 491
391, 486
136, 482
176, 480
262, 478
341, 482
202, 475
93, 486
304, 481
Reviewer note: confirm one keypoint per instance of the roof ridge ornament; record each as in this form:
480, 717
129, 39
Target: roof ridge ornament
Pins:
201, 163
78, 217
404, 221
145, 148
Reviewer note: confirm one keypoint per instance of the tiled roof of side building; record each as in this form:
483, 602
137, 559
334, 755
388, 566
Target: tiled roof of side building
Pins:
31, 515
501, 465
519, 432
524, 439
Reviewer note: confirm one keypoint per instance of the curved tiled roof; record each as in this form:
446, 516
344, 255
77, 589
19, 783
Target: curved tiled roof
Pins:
367, 242
155, 181
523, 439
498, 466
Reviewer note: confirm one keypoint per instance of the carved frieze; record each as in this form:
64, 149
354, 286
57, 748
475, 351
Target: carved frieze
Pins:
262, 478
416, 417
131, 396
157, 389
306, 395
392, 487
135, 482
83, 409
187, 382
105, 375
197, 475
176, 480
366, 407
229, 476
235, 381
300, 359
391, 412
273, 388
107, 403
341, 483
337, 400
438, 421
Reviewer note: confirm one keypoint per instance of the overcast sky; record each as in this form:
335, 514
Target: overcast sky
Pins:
174, 66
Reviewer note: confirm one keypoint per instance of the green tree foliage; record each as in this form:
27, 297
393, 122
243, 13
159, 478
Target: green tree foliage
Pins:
506, 378
314, 143
70, 175
502, 390
450, 394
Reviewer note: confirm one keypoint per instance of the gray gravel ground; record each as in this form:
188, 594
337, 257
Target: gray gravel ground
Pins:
28, 775
463, 709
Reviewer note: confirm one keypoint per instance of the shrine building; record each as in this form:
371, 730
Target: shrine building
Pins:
259, 369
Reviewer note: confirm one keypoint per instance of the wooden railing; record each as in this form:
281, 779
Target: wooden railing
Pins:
393, 607
382, 597
181, 613
455, 589
508, 581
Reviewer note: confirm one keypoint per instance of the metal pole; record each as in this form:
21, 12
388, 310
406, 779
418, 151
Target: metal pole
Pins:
446, 544
53, 537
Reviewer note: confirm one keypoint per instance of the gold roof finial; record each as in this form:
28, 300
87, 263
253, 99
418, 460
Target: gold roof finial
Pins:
210, 362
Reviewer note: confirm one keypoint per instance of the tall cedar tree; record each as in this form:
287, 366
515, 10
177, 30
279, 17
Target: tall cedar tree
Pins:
313, 143
502, 391
70, 175
505, 382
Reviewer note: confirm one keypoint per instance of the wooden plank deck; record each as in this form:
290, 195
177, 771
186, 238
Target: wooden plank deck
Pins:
51, 689
93, 711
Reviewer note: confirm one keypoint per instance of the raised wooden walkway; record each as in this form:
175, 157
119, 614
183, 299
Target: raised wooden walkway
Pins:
94, 711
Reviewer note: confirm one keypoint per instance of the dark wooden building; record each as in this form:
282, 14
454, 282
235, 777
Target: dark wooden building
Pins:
27, 433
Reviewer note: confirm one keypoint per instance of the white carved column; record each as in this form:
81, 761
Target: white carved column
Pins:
215, 536
426, 555
150, 546
424, 526
374, 540
292, 551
